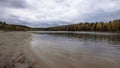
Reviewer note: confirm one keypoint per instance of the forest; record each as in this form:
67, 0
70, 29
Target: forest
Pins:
88, 26
11, 27
111, 26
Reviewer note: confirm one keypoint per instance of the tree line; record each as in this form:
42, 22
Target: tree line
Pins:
113, 26
11, 27
87, 26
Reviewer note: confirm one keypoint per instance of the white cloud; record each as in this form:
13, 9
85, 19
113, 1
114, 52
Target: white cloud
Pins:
39, 11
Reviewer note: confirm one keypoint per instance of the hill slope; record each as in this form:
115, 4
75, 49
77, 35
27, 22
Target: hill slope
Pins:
10, 27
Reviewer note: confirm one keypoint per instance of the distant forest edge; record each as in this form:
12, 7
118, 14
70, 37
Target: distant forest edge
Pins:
11, 27
111, 26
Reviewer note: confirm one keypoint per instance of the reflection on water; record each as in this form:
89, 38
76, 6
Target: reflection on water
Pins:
77, 50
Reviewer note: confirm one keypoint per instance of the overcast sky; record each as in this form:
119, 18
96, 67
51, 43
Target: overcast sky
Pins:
43, 13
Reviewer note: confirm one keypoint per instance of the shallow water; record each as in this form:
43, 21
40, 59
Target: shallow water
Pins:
77, 49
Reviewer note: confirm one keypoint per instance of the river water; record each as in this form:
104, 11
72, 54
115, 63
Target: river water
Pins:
77, 49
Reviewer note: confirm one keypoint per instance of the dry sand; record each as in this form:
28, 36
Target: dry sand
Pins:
15, 50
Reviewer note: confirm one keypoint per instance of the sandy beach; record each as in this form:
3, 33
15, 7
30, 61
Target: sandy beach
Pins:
14, 50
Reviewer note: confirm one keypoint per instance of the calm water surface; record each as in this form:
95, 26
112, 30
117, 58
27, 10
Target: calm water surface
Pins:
77, 49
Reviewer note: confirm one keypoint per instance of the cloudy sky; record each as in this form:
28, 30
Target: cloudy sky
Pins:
43, 13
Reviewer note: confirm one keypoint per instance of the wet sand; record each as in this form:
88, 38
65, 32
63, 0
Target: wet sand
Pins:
14, 50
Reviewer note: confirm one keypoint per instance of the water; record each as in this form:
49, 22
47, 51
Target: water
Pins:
77, 49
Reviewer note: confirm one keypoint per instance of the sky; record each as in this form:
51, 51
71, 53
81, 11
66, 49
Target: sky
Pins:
46, 13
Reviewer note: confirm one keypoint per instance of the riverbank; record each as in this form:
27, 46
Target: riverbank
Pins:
59, 50
14, 50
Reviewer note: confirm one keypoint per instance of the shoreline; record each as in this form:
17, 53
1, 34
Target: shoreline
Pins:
15, 51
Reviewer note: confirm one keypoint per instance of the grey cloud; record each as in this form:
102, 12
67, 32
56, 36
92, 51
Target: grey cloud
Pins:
13, 3
60, 1
102, 16
47, 23
42, 13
